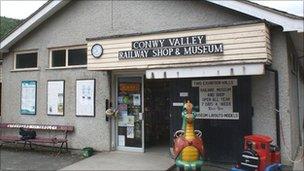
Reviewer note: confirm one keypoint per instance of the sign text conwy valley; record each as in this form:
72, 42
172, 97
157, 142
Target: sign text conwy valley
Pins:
181, 46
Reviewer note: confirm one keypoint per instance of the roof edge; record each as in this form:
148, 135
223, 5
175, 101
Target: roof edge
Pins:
25, 20
273, 10
31, 22
289, 22
258, 21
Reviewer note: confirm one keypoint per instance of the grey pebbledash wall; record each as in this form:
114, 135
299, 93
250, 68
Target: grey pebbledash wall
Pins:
263, 102
71, 26
86, 19
88, 131
263, 91
280, 63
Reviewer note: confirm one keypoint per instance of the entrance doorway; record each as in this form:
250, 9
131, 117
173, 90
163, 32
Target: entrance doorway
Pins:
157, 113
222, 137
130, 130
150, 113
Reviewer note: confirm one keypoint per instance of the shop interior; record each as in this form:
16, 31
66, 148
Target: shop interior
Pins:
157, 113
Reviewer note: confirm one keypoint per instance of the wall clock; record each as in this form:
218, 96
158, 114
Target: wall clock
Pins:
97, 50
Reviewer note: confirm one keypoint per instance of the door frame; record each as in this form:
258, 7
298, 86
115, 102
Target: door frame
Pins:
115, 76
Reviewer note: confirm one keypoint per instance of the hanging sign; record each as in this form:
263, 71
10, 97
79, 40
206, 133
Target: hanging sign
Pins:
180, 46
216, 99
55, 98
28, 97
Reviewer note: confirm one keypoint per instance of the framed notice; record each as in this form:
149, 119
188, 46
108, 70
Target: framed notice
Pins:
85, 98
55, 95
28, 97
216, 99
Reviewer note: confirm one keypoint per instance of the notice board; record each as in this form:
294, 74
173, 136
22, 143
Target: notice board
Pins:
216, 99
28, 97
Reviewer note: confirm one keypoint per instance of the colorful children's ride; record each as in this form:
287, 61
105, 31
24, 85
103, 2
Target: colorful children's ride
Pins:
259, 155
188, 145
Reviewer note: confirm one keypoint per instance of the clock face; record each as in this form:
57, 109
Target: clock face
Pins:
97, 50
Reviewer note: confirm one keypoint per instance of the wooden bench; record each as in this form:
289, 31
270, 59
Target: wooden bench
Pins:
39, 139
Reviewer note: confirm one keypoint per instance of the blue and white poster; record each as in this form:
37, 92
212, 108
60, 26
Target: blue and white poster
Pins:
28, 97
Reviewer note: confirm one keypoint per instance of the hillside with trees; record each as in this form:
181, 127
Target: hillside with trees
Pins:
7, 24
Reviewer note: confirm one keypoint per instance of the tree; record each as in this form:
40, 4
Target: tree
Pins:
6, 25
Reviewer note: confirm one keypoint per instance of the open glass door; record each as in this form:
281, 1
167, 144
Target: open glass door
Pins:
130, 130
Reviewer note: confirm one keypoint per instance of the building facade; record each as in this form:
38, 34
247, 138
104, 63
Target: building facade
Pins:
243, 75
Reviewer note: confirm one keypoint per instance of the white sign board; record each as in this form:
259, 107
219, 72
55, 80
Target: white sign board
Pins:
55, 98
28, 97
176, 104
85, 98
216, 99
183, 94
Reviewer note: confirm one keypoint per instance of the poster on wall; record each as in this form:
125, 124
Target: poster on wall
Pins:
216, 99
28, 97
55, 98
85, 98
136, 100
121, 140
123, 118
130, 132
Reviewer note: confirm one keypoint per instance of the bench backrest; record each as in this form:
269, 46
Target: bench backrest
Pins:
37, 127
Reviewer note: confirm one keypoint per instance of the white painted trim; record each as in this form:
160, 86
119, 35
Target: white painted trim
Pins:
68, 67
130, 149
25, 69
32, 23
206, 71
288, 23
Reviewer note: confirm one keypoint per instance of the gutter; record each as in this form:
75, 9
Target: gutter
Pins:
277, 105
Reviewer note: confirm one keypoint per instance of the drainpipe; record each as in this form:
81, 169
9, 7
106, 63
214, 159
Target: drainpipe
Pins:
277, 105
299, 100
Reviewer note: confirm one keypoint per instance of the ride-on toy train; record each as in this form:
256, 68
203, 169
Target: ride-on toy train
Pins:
259, 155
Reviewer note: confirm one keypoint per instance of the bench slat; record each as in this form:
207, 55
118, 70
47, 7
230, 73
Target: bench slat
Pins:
37, 127
47, 140
10, 138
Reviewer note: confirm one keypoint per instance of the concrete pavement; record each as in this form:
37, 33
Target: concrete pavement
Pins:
153, 159
157, 158
299, 164
38, 159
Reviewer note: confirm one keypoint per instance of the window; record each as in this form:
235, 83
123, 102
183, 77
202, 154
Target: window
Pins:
78, 57
68, 57
58, 58
26, 60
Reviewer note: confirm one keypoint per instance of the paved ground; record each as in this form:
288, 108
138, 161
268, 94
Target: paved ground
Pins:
44, 159
41, 159
153, 159
299, 164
